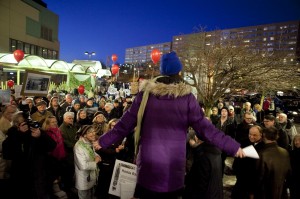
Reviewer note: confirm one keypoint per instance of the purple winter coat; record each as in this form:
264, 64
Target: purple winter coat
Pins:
170, 110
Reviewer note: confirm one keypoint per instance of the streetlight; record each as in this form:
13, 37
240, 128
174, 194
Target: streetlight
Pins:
89, 54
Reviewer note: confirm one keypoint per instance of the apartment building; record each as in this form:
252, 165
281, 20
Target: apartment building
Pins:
142, 54
283, 36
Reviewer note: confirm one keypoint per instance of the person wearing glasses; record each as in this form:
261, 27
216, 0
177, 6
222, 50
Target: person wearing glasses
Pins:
283, 140
247, 108
242, 130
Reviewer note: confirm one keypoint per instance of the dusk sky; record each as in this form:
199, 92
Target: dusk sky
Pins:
110, 26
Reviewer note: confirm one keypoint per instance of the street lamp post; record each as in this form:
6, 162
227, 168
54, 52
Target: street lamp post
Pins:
90, 54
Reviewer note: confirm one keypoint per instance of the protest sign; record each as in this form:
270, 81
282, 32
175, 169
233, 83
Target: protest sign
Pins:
124, 175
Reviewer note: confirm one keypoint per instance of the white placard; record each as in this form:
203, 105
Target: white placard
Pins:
18, 89
5, 96
124, 174
127, 190
251, 152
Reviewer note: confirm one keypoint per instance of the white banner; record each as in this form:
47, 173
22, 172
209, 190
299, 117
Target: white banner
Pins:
123, 180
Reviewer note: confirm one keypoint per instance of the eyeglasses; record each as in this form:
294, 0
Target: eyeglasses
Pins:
267, 121
248, 118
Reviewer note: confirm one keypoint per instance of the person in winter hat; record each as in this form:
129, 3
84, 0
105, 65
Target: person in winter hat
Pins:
86, 160
170, 64
171, 109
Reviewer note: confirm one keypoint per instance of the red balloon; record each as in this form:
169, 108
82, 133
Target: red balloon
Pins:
80, 89
114, 69
19, 55
10, 83
114, 57
155, 55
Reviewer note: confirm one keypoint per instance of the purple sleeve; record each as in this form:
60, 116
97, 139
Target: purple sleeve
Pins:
208, 132
125, 125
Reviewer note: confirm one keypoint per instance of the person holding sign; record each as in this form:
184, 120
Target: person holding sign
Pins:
170, 110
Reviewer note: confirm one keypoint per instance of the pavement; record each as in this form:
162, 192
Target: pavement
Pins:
228, 180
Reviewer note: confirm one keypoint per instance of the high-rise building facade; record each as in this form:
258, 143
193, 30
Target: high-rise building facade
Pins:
29, 26
142, 54
284, 36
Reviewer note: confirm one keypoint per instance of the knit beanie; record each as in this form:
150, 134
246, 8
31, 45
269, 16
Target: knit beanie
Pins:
83, 130
75, 102
98, 113
170, 64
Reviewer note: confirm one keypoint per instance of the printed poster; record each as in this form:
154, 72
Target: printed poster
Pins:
125, 175
5, 97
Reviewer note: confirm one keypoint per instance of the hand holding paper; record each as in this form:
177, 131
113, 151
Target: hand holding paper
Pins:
251, 152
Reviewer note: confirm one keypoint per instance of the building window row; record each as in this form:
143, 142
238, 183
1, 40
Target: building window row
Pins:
32, 49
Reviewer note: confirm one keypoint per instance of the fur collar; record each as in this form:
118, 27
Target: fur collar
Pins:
160, 89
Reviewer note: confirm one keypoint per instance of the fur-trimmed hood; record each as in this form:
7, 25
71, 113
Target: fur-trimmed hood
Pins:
161, 89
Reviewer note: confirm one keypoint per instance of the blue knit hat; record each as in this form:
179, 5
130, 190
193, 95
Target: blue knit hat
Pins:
170, 64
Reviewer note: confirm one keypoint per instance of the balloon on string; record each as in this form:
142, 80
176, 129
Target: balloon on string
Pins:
80, 89
155, 56
10, 83
114, 57
19, 55
115, 69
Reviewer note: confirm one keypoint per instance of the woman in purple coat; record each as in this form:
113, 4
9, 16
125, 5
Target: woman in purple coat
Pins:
170, 110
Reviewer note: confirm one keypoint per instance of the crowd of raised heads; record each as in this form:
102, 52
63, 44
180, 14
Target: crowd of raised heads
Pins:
111, 105
252, 114
72, 123
66, 147
271, 133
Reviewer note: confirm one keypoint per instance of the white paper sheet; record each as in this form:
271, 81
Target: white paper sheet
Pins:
124, 173
127, 190
251, 152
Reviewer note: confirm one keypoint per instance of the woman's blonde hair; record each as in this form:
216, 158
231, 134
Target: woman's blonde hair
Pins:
257, 107
46, 123
114, 120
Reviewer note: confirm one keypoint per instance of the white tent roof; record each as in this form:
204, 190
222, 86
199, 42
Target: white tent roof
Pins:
36, 62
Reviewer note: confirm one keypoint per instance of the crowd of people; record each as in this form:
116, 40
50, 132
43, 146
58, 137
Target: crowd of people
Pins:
45, 143
67, 149
275, 174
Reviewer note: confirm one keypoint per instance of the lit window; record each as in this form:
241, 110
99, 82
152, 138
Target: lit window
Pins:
265, 39
271, 38
265, 28
292, 42
208, 44
247, 41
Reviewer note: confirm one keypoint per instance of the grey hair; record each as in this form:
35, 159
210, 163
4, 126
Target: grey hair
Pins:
283, 115
16, 118
109, 105
69, 114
